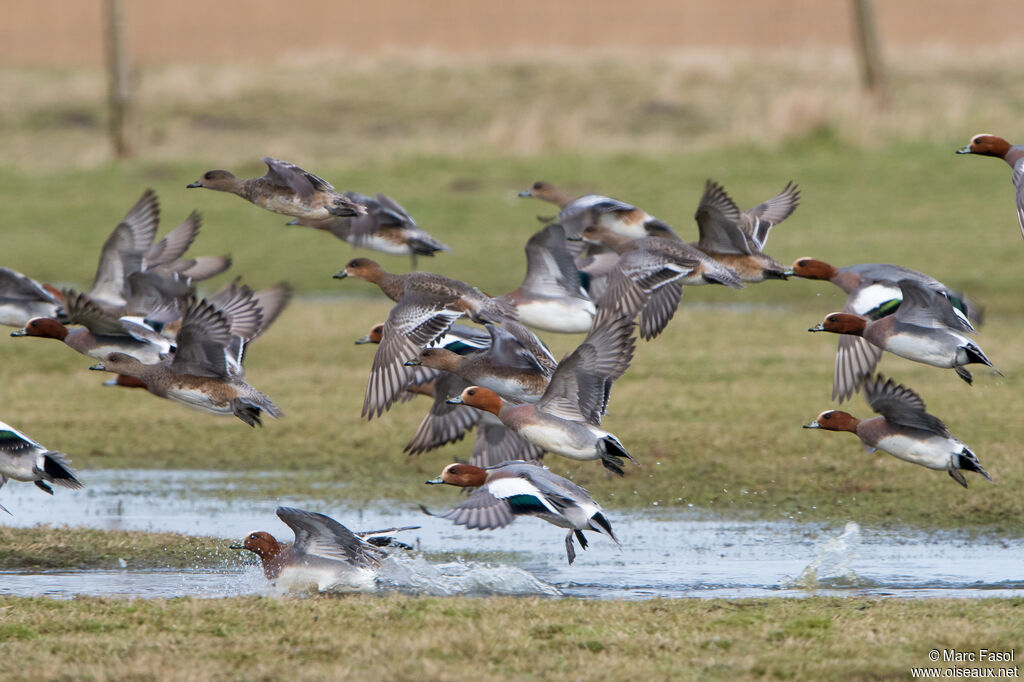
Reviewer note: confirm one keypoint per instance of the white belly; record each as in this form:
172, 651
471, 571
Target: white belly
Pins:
933, 352
562, 315
556, 440
377, 243
934, 453
17, 315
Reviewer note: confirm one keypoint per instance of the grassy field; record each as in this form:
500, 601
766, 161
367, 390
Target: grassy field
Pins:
457, 639
712, 409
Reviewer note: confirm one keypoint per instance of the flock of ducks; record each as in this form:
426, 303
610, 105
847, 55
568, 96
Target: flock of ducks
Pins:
601, 267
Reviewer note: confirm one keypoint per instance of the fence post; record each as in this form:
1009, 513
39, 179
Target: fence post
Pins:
870, 52
117, 79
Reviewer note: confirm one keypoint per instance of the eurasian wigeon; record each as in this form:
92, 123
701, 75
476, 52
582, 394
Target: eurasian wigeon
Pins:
904, 430
200, 374
872, 293
451, 292
550, 297
447, 423
427, 306
596, 209
566, 420
285, 189
736, 238
925, 328
515, 488
22, 298
23, 459
137, 276
324, 552
516, 365
660, 268
101, 332
386, 227
991, 145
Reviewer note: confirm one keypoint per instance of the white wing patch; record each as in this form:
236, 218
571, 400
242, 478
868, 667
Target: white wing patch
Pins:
504, 488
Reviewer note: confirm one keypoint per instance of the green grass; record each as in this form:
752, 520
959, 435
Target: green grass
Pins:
45, 548
401, 638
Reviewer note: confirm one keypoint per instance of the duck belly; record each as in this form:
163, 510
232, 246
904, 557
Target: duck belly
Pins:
18, 314
930, 351
199, 400
934, 452
18, 467
574, 443
376, 242
560, 315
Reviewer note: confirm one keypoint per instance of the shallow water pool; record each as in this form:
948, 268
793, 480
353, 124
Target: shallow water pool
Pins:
663, 553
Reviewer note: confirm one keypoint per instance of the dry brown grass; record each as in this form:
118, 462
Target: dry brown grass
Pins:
327, 107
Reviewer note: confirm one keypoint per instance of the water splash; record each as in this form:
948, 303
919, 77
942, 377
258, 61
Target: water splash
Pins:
831, 568
416, 575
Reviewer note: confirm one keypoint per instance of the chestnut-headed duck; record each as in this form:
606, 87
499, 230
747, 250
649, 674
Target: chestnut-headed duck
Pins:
904, 430
516, 365
23, 459
324, 552
655, 270
550, 297
567, 419
991, 145
736, 238
386, 227
101, 332
873, 293
596, 209
925, 328
201, 373
517, 488
22, 298
285, 189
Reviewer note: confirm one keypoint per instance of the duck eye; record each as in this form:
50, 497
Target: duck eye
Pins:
254, 536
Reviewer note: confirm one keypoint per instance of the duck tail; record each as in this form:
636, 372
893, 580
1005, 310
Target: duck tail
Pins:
612, 454
57, 470
248, 409
968, 461
599, 523
976, 356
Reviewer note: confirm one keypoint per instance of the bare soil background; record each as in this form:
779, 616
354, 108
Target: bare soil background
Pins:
58, 32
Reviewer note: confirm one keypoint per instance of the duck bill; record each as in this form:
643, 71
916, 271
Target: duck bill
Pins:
457, 400
820, 327
98, 367
365, 339
340, 275
412, 363
237, 547
789, 273
434, 481
964, 150
193, 185
525, 193
812, 425
20, 332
